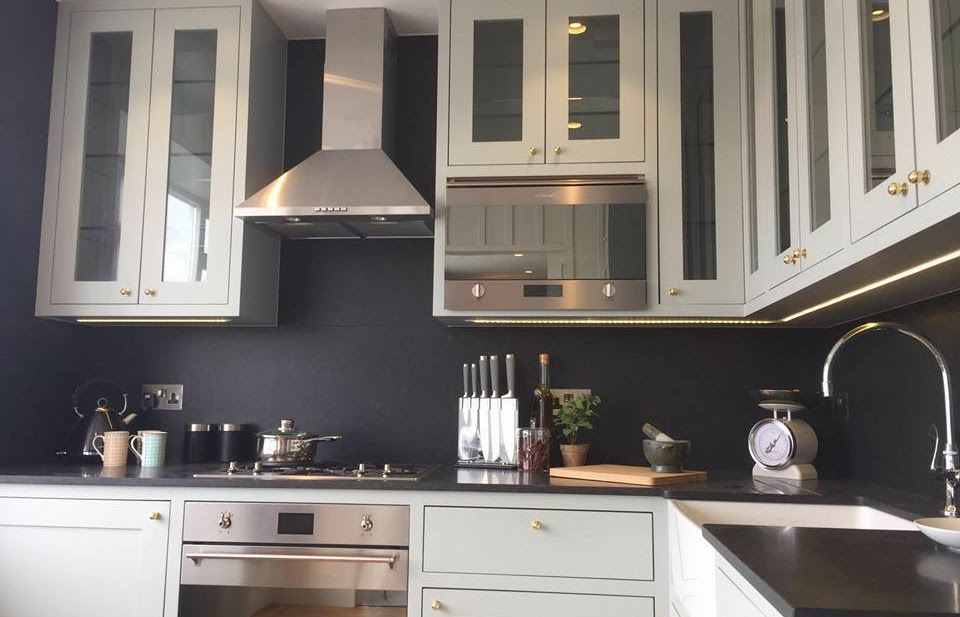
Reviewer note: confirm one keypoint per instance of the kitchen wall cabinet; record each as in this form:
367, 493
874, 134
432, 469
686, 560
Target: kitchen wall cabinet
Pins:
701, 193
546, 81
798, 87
154, 110
83, 557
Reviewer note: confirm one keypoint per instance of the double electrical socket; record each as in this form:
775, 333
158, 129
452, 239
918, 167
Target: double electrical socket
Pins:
565, 394
161, 397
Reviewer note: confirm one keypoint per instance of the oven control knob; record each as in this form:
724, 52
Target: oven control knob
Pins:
609, 291
478, 290
225, 520
366, 523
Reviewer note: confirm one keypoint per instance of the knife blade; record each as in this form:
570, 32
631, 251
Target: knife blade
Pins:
509, 414
474, 410
463, 424
496, 440
483, 416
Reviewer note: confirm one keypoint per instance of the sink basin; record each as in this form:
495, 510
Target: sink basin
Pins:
945, 531
789, 515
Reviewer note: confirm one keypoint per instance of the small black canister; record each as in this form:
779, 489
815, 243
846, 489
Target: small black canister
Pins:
235, 443
199, 444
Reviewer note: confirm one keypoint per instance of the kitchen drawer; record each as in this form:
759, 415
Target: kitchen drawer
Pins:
471, 603
564, 543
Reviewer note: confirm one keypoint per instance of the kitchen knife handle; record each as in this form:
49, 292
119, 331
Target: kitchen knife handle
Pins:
473, 380
484, 377
494, 376
466, 381
511, 376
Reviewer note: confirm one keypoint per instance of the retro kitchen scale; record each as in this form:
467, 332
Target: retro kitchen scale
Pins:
782, 446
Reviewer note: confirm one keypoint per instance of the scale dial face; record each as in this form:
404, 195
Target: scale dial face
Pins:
772, 444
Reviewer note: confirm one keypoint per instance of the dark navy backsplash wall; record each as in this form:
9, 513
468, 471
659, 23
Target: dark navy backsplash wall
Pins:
357, 352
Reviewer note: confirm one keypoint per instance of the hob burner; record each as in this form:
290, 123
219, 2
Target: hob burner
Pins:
321, 471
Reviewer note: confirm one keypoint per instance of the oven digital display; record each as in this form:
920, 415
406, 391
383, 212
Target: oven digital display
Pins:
543, 291
292, 524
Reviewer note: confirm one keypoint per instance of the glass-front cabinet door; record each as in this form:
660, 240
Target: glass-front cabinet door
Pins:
701, 205
189, 207
595, 81
879, 113
497, 58
96, 258
935, 52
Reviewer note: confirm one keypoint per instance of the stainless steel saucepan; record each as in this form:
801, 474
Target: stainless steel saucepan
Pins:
288, 445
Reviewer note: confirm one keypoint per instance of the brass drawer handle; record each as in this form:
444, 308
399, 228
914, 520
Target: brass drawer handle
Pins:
150, 291
533, 151
436, 605
918, 175
125, 292
536, 525
898, 189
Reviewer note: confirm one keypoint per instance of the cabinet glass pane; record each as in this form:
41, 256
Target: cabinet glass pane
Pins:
818, 128
191, 142
697, 147
498, 80
877, 72
946, 30
594, 76
784, 240
104, 141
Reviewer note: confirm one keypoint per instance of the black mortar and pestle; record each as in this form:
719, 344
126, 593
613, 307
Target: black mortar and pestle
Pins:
665, 454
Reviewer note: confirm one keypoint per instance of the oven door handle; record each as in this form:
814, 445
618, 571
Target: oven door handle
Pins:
196, 558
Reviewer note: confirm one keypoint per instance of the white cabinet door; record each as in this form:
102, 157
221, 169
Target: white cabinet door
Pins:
935, 54
820, 125
475, 603
595, 109
731, 601
497, 59
701, 193
879, 113
84, 558
96, 252
188, 218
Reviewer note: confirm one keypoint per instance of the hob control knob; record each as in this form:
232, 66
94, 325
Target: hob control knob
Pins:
366, 523
225, 520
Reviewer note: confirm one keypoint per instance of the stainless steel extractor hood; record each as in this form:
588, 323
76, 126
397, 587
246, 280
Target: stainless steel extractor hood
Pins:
351, 188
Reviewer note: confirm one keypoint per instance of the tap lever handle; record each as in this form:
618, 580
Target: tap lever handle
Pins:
935, 433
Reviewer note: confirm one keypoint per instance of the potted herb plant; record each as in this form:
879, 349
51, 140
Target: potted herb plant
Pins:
574, 415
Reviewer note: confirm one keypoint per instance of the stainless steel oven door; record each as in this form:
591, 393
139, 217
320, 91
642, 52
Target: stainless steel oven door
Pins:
294, 567
546, 244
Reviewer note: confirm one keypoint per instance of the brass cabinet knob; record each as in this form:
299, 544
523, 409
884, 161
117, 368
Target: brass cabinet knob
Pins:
533, 151
154, 516
898, 189
673, 291
125, 292
790, 259
150, 291
436, 605
536, 525
918, 175
797, 254
557, 150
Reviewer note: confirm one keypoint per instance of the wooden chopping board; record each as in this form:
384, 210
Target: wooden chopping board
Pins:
627, 474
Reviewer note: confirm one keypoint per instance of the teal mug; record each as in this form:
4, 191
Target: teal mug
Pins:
153, 447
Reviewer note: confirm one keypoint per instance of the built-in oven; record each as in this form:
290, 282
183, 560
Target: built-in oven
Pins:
294, 560
546, 243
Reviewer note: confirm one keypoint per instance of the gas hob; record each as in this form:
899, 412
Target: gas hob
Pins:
385, 472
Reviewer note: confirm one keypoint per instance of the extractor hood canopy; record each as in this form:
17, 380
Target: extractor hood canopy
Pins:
351, 188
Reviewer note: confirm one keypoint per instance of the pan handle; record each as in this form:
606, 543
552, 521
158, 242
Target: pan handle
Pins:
321, 439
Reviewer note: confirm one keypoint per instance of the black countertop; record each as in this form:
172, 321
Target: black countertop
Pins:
721, 486
806, 572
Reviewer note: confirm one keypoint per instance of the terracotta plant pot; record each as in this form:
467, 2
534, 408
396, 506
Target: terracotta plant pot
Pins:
574, 456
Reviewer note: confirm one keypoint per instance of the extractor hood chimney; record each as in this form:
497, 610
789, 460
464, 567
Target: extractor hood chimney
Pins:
351, 188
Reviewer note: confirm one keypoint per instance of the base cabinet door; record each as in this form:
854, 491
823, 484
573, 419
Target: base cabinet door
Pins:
84, 558
732, 601
471, 603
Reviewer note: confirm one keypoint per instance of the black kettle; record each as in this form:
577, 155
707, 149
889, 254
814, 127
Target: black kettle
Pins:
78, 445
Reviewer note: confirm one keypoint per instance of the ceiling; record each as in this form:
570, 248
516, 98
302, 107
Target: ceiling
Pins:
306, 19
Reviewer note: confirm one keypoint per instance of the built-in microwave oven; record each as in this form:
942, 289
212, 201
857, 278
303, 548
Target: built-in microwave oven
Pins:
546, 243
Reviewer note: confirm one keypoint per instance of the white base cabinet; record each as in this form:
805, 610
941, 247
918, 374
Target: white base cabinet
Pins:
84, 558
472, 603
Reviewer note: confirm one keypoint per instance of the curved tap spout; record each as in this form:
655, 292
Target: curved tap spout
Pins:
949, 448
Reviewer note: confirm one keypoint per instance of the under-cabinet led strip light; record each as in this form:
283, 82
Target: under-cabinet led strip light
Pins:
586, 321
157, 321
